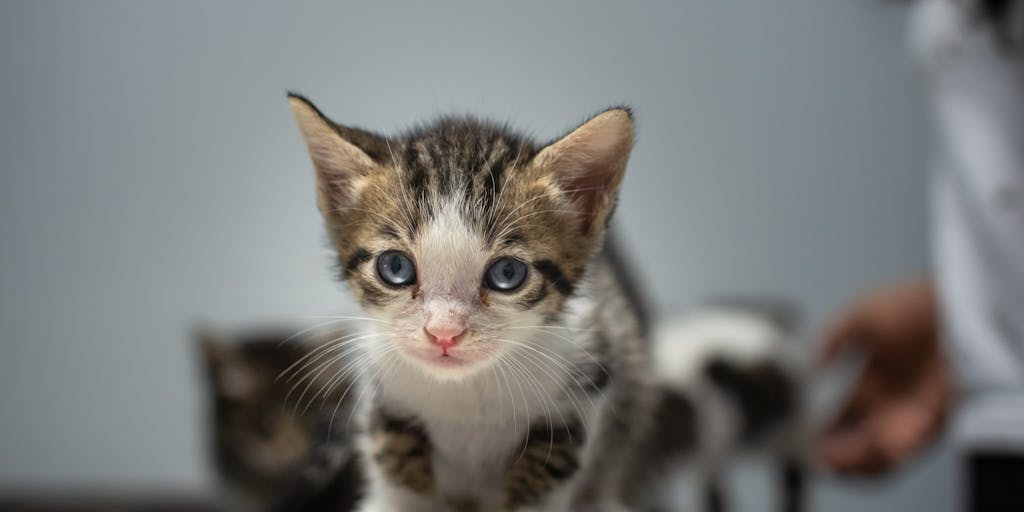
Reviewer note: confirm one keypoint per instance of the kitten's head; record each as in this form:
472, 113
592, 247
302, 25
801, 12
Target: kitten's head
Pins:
461, 236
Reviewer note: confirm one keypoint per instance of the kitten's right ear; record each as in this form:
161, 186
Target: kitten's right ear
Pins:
341, 156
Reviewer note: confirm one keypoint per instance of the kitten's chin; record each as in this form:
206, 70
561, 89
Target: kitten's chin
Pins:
456, 365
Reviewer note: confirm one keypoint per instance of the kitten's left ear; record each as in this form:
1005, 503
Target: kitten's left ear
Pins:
588, 165
229, 375
214, 345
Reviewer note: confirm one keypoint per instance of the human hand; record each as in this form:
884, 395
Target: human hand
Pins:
899, 400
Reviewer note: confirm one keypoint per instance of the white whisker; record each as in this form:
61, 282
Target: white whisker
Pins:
327, 346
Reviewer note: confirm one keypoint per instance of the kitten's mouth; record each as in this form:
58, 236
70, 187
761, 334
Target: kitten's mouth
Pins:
448, 357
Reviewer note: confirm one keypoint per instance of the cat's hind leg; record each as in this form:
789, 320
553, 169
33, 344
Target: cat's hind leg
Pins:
713, 495
792, 484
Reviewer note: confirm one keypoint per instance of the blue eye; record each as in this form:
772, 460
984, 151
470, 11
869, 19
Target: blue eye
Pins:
505, 274
396, 269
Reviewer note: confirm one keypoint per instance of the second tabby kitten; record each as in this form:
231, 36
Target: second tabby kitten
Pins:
503, 362
277, 425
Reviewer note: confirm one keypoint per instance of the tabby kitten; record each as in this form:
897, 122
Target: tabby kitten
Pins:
275, 442
503, 364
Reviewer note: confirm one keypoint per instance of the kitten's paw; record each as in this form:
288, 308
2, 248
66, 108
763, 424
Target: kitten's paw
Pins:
370, 504
369, 507
398, 501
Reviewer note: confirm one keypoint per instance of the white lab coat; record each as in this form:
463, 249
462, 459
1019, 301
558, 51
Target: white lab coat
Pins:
976, 90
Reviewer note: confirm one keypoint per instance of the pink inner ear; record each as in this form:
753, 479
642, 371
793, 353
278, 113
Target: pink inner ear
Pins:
589, 163
592, 175
587, 189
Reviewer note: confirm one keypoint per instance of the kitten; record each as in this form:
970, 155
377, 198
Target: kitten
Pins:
729, 381
504, 365
277, 444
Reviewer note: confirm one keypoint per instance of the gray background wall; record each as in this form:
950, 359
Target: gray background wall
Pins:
151, 177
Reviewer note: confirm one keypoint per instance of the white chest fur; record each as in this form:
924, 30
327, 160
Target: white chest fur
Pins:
476, 426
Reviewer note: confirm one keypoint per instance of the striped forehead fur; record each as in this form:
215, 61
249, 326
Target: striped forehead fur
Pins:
462, 159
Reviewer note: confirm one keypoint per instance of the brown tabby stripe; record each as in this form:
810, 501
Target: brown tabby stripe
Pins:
534, 297
554, 274
358, 257
369, 291
550, 458
402, 451
389, 231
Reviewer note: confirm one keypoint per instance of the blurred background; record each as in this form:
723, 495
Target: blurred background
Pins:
151, 177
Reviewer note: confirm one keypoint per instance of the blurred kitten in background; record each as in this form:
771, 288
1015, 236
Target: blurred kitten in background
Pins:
730, 380
279, 437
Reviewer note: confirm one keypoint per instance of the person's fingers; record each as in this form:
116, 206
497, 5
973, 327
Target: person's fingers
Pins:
874, 460
892, 412
842, 442
847, 417
840, 335
843, 449
904, 429
866, 393
855, 451
916, 419
847, 445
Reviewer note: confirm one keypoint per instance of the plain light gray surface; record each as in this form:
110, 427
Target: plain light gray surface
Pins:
152, 177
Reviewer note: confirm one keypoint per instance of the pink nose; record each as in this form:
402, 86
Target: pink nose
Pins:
444, 335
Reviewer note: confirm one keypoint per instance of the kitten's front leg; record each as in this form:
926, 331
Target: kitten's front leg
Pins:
398, 456
538, 477
391, 499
